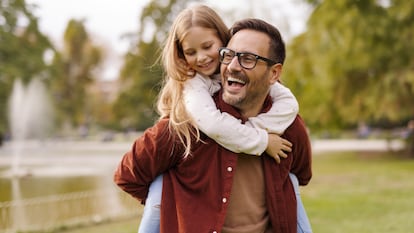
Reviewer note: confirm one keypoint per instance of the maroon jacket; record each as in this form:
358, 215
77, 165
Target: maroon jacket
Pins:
196, 189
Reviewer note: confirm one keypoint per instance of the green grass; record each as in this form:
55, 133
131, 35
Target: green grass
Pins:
125, 225
362, 193
349, 193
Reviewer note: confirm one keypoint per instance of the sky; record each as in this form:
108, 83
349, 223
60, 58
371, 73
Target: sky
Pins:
105, 19
108, 20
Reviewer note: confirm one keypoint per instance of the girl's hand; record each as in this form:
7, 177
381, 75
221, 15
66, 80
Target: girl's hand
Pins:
277, 147
185, 69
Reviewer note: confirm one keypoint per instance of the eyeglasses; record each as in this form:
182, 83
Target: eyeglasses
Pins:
246, 60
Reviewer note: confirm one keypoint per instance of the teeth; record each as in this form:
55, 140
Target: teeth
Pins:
231, 79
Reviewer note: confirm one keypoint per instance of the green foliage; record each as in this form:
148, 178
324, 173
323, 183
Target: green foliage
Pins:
354, 63
73, 72
142, 73
22, 49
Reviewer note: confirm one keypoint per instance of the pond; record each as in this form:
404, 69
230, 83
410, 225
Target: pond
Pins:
47, 184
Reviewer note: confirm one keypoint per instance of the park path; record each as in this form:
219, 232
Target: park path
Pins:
332, 145
109, 153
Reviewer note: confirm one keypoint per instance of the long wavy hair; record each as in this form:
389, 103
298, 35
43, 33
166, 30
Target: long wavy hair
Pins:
170, 100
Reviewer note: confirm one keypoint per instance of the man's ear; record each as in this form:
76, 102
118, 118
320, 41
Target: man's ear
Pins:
275, 73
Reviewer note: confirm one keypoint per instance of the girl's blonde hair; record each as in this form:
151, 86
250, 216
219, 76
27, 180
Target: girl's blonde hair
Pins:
170, 100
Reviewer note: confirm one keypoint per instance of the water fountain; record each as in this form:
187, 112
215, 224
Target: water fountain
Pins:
31, 123
30, 117
37, 166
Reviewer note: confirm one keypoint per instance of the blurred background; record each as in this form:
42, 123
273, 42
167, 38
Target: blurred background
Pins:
79, 79
349, 63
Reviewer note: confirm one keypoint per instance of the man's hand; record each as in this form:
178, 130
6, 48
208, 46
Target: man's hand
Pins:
277, 147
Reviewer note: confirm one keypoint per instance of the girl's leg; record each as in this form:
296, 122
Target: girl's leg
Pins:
303, 221
150, 221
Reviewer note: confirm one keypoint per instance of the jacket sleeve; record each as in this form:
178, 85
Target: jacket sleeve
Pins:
301, 151
151, 154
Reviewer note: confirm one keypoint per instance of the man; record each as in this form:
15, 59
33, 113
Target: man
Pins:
215, 190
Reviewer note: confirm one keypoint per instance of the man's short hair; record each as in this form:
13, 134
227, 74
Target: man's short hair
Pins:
277, 51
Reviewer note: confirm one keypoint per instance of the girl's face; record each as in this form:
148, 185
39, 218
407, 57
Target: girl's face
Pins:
200, 48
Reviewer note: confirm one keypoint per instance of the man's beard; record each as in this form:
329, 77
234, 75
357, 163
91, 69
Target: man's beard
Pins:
235, 101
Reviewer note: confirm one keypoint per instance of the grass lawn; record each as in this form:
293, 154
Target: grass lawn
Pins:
361, 193
349, 192
123, 226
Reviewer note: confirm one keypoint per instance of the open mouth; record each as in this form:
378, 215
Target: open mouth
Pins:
235, 82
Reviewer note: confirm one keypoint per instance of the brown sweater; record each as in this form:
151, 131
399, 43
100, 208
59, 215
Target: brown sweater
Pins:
247, 211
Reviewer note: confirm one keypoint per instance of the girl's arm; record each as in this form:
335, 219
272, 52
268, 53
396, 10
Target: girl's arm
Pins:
220, 126
224, 128
282, 113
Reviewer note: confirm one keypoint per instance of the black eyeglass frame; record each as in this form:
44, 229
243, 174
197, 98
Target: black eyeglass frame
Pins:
240, 54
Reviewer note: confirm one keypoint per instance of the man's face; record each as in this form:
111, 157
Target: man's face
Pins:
244, 88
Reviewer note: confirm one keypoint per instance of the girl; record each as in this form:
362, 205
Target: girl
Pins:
195, 37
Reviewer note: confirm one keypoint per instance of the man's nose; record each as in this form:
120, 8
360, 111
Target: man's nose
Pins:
234, 64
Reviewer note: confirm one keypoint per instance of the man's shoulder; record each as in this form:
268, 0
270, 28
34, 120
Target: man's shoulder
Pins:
298, 126
161, 123
159, 129
162, 137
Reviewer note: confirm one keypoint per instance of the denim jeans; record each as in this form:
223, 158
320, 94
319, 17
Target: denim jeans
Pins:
150, 222
303, 221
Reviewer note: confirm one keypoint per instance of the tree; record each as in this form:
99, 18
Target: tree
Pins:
354, 63
73, 72
22, 50
141, 75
